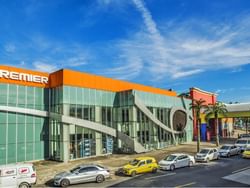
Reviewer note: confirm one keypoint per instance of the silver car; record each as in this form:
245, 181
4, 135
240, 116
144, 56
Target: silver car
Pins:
243, 143
207, 154
176, 160
228, 150
81, 174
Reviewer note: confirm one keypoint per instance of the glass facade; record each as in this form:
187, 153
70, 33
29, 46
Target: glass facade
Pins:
118, 111
24, 96
23, 137
26, 137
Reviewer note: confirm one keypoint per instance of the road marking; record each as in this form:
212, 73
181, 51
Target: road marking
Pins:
240, 169
169, 174
185, 185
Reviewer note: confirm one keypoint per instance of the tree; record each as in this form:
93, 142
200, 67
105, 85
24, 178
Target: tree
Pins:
215, 110
197, 106
246, 123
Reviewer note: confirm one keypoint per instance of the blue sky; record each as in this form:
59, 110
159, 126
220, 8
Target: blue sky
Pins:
174, 44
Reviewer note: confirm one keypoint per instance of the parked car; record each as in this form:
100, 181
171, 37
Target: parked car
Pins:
228, 150
17, 175
244, 136
243, 143
81, 174
177, 160
140, 165
207, 154
246, 153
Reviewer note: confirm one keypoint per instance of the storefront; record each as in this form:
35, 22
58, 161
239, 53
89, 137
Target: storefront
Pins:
68, 115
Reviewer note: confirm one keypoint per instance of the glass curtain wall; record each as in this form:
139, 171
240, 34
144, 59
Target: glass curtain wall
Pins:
88, 104
24, 96
23, 137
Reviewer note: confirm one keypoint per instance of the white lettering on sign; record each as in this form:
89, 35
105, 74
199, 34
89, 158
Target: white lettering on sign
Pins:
23, 77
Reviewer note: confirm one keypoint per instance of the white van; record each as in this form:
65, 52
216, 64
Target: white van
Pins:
21, 175
243, 143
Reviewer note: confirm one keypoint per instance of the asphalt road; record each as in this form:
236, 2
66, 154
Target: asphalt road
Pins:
221, 173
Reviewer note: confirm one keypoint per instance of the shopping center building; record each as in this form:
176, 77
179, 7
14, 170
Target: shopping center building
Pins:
68, 115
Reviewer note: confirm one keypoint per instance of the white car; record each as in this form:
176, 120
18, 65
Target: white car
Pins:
17, 175
228, 150
243, 143
207, 154
176, 160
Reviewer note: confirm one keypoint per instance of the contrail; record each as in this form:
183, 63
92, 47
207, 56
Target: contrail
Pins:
155, 35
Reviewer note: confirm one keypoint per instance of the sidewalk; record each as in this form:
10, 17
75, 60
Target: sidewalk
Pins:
47, 169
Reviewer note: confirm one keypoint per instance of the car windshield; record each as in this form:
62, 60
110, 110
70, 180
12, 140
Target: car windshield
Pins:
100, 166
75, 169
134, 162
244, 135
204, 151
241, 142
225, 147
170, 158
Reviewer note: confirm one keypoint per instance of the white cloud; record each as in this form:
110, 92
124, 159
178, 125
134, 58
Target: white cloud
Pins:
76, 61
182, 49
10, 48
186, 73
131, 69
44, 67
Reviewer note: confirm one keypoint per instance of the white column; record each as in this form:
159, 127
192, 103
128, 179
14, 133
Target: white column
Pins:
64, 143
98, 139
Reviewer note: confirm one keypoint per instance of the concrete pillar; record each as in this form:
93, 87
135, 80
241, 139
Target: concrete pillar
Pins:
119, 129
66, 109
155, 132
98, 136
98, 140
64, 144
133, 126
98, 114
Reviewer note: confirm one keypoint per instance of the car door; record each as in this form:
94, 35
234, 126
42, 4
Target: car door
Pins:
8, 177
233, 150
149, 165
87, 174
79, 176
215, 153
186, 160
180, 161
211, 155
142, 167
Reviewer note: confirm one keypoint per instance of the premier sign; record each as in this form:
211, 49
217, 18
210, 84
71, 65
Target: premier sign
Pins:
23, 77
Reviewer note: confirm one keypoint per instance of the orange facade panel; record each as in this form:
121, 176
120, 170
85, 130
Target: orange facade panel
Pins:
13, 75
74, 78
21, 76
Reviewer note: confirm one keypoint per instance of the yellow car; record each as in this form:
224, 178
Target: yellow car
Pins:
246, 153
140, 165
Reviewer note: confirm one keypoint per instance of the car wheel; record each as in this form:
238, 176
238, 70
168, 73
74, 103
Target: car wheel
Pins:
207, 160
100, 178
133, 174
172, 167
228, 155
190, 163
65, 183
24, 185
154, 170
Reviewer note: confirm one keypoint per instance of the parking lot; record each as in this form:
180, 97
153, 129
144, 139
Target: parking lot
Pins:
198, 175
225, 172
